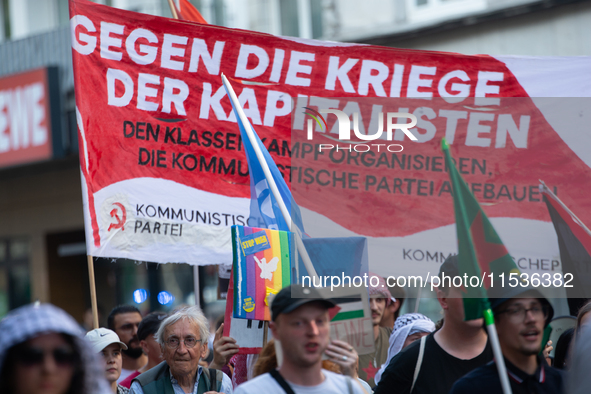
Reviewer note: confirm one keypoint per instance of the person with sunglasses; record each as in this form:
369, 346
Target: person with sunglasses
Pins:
42, 351
521, 314
107, 343
183, 338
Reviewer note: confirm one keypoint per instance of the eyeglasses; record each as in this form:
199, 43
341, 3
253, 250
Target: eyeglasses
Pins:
31, 356
189, 342
518, 313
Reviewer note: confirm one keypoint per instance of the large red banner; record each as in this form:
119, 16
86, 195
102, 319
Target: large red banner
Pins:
163, 165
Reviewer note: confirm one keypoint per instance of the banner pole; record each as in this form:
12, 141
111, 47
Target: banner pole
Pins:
175, 15
93, 302
418, 299
270, 181
196, 285
265, 332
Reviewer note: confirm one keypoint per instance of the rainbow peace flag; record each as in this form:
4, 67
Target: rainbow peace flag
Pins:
262, 266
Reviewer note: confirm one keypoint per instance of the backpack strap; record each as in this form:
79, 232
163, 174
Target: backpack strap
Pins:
219, 377
156, 380
284, 385
214, 377
212, 381
419, 362
349, 385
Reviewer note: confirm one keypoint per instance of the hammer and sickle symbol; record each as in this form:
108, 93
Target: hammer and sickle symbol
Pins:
120, 221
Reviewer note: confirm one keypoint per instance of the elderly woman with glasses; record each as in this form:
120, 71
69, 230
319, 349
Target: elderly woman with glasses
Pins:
183, 339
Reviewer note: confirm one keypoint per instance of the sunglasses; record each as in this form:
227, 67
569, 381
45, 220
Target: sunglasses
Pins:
31, 356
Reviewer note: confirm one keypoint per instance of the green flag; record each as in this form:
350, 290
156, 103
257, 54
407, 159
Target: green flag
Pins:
480, 250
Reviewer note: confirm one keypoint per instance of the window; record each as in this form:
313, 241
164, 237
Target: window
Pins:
219, 12
316, 11
15, 286
289, 18
431, 10
4, 21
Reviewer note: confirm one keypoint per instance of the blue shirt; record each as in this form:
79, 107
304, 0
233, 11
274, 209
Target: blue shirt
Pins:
226, 388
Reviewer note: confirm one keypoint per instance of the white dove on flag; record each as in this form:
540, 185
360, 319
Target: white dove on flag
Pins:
267, 269
266, 204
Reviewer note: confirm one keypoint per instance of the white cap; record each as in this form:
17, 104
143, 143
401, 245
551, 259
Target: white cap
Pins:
100, 338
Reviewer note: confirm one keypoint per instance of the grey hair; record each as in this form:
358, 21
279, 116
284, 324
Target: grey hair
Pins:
191, 313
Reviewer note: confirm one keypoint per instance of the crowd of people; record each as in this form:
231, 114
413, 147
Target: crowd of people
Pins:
44, 350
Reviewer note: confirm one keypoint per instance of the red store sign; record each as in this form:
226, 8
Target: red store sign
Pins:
29, 107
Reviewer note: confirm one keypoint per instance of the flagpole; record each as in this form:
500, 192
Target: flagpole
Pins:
418, 299
196, 290
175, 14
269, 177
489, 319
93, 302
544, 188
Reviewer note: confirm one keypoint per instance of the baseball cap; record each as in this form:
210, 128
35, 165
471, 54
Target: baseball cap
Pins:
100, 338
292, 297
450, 266
498, 295
150, 324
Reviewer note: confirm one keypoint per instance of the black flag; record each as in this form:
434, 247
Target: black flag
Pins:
574, 241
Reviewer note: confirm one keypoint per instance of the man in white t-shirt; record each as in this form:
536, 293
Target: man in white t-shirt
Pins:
301, 325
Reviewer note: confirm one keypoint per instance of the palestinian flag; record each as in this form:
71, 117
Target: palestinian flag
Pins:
574, 242
480, 250
348, 308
